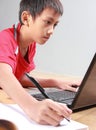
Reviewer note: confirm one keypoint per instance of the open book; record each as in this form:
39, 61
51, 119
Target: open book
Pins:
14, 113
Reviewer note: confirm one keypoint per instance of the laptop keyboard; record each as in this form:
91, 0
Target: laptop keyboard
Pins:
59, 96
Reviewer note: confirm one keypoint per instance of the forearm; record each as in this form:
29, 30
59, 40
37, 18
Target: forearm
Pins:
44, 82
64, 83
13, 88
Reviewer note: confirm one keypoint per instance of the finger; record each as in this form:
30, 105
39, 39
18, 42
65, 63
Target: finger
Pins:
50, 117
55, 116
42, 122
74, 85
70, 88
67, 111
49, 120
62, 110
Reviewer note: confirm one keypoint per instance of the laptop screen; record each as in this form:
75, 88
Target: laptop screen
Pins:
86, 95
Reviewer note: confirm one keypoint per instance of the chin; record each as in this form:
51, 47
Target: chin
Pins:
41, 43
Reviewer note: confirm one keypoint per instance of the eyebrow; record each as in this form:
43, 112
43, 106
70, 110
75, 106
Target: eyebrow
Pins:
51, 18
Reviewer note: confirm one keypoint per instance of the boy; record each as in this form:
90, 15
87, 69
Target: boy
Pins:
38, 18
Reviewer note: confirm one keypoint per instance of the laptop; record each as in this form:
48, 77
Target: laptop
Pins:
84, 98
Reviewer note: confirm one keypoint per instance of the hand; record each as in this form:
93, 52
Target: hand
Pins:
48, 112
71, 85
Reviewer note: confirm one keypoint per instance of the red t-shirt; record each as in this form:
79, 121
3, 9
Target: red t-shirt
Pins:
10, 54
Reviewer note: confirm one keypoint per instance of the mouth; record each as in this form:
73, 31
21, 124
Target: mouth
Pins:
46, 38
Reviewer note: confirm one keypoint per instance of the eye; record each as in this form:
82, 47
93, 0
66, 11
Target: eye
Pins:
55, 25
47, 22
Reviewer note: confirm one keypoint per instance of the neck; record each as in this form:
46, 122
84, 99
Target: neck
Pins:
23, 51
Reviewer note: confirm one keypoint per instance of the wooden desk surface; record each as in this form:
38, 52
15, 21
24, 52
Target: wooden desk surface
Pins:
87, 117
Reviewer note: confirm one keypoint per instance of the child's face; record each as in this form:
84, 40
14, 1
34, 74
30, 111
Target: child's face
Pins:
43, 26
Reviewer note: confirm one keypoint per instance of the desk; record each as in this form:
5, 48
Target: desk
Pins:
87, 117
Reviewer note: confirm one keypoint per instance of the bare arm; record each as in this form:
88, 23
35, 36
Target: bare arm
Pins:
52, 81
12, 87
43, 112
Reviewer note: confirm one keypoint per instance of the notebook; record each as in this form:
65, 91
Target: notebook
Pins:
14, 114
84, 98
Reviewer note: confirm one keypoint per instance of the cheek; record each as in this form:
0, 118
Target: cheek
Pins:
40, 31
36, 35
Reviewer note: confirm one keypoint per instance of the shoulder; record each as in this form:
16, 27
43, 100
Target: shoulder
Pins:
6, 35
7, 40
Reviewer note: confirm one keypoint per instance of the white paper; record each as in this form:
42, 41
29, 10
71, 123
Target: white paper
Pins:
14, 113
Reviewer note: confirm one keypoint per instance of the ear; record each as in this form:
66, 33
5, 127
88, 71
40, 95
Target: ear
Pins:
26, 17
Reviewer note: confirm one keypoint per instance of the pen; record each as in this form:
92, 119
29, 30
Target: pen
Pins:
40, 89
67, 119
38, 86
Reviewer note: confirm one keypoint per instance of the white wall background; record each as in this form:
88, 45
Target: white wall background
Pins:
73, 44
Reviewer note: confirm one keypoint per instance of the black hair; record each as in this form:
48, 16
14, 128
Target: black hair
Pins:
7, 125
35, 7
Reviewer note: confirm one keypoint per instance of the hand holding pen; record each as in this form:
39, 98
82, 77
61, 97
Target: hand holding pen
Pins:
41, 89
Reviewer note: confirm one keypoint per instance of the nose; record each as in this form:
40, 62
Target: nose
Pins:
50, 30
